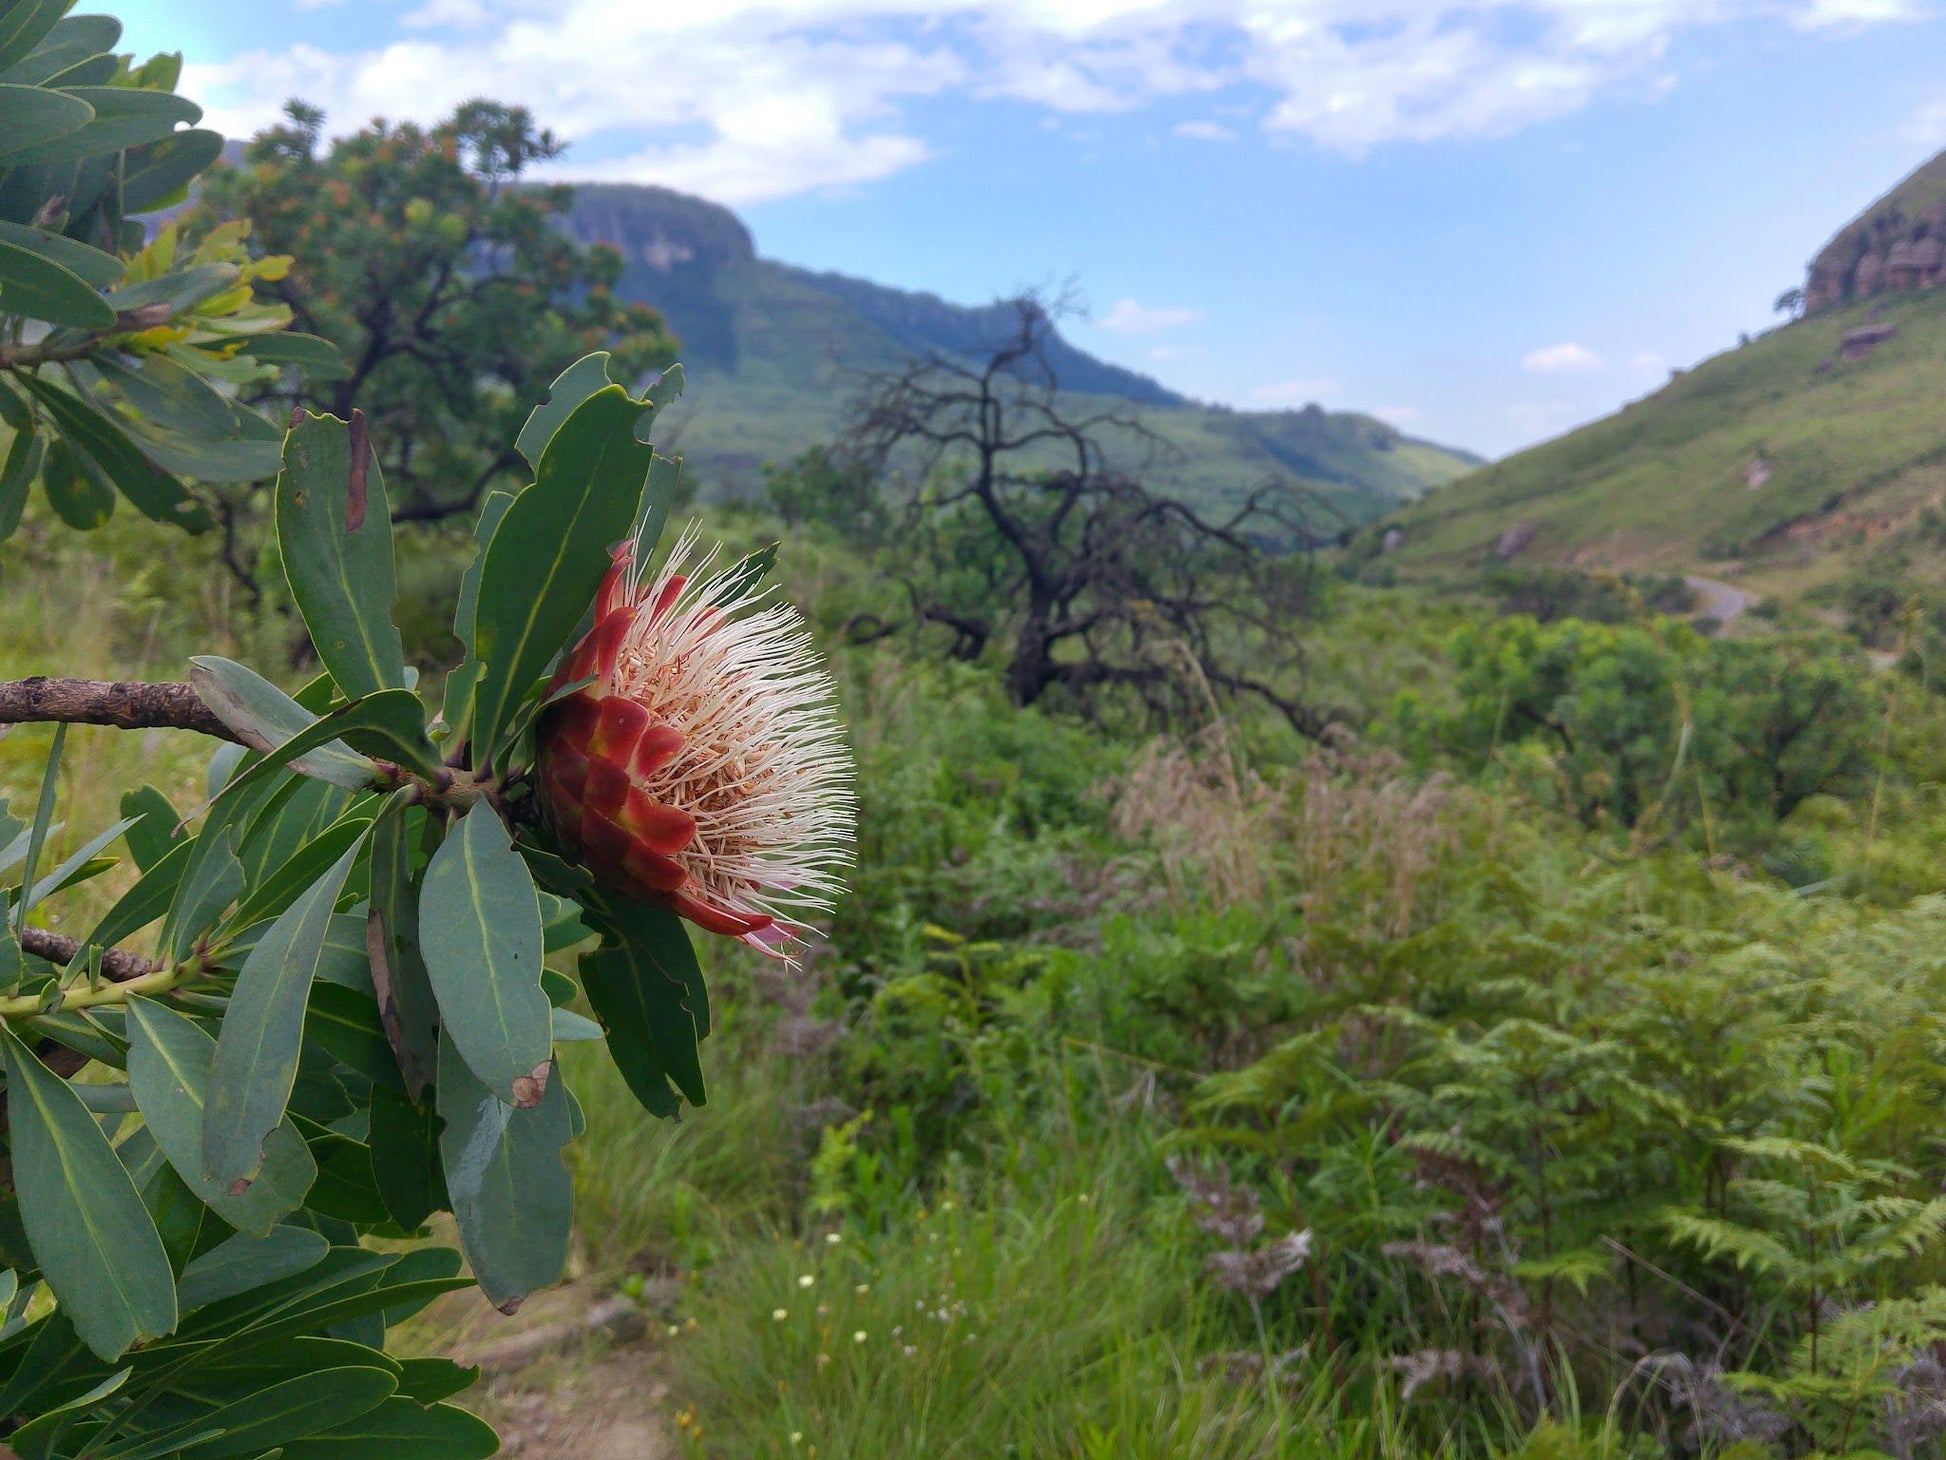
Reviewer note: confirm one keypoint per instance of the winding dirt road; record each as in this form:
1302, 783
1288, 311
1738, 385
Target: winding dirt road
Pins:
1720, 601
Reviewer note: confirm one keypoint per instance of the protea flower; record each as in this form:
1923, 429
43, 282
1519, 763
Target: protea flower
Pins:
705, 767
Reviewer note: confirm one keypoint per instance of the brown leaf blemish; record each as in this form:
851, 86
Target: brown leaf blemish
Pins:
528, 1089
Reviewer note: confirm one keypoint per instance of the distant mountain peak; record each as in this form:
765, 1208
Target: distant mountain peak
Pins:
777, 352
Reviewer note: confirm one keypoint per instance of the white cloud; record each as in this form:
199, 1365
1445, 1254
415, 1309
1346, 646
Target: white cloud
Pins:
1820, 13
1558, 359
1404, 417
1653, 361
751, 99
1131, 318
1288, 393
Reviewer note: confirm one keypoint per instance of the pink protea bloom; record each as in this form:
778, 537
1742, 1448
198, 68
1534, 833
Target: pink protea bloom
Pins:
704, 767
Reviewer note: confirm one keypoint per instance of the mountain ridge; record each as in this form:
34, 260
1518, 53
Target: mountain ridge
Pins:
775, 351
1812, 451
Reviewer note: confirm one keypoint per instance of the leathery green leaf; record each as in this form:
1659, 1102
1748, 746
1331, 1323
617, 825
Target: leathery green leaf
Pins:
334, 529
512, 1196
550, 552
480, 935
97, 1245
169, 1058
263, 1033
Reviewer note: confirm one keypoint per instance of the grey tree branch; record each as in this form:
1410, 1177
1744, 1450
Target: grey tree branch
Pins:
117, 966
129, 706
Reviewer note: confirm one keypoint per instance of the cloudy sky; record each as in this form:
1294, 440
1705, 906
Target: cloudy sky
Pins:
1485, 220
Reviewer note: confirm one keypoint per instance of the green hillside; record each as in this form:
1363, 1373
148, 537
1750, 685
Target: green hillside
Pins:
775, 354
1789, 460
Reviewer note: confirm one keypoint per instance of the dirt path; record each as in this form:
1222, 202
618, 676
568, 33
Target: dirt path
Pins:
564, 1380
1720, 601
613, 1408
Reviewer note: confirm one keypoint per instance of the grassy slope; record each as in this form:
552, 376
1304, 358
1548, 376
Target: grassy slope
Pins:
1856, 451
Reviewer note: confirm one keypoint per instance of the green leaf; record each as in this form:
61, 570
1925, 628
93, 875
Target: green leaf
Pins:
168, 395
317, 852
212, 880
265, 717
52, 1350
123, 117
23, 464
169, 1059
430, 1380
79, 497
263, 1034
345, 1188
202, 459
43, 816
491, 511
158, 173
70, 870
346, 1025
156, 828
31, 117
156, 495
314, 357
405, 1157
639, 988
181, 291
390, 725
99, 270
96, 1244
69, 43
146, 901
512, 1196
334, 528
242, 1262
400, 983
296, 1409
402, 1430
551, 551
658, 500
570, 388
34, 287
12, 965
36, 1439
24, 24
480, 936
743, 579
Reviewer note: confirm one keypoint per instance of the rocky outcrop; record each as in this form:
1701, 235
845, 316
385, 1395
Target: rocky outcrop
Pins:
1897, 244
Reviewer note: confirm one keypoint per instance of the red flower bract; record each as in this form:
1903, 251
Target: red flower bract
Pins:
703, 767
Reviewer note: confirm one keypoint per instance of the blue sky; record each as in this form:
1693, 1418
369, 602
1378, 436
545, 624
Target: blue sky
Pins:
1486, 220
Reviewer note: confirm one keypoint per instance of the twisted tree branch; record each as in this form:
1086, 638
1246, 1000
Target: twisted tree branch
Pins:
116, 965
130, 706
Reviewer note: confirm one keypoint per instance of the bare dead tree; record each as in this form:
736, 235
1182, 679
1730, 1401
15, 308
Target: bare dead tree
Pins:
1028, 526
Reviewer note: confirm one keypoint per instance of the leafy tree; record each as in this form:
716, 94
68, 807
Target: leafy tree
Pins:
1635, 722
444, 280
817, 486
120, 354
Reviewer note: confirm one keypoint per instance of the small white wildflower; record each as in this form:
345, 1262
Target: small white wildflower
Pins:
778, 1315
806, 1280
859, 1336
